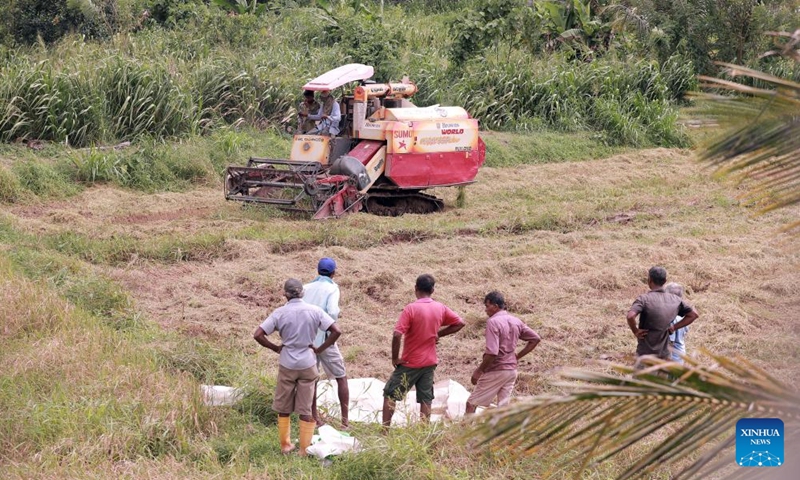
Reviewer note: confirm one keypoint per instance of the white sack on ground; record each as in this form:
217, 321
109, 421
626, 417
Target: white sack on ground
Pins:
219, 395
331, 442
366, 401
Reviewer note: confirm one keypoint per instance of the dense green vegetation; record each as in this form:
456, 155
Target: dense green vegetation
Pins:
87, 73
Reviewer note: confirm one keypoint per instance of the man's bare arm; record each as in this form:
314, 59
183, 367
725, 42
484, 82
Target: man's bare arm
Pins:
688, 319
261, 337
488, 360
396, 338
449, 330
637, 332
335, 333
528, 347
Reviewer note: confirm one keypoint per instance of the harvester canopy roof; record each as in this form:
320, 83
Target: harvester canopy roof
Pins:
337, 77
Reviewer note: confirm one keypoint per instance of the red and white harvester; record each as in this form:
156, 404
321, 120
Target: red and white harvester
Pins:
388, 152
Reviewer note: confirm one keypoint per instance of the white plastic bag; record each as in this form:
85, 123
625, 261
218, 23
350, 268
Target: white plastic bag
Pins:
331, 442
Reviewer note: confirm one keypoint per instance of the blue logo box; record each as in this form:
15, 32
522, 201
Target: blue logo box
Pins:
759, 442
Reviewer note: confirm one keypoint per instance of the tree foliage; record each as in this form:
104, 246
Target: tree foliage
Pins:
360, 30
574, 23
693, 407
764, 149
27, 21
543, 26
255, 7
709, 31
489, 22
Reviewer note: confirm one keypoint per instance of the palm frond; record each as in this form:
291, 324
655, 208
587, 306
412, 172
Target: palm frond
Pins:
605, 414
764, 149
790, 49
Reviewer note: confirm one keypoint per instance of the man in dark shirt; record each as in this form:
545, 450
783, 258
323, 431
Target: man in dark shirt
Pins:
656, 310
309, 106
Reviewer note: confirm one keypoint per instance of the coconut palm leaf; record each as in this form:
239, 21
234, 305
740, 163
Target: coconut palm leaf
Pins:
605, 414
764, 149
790, 48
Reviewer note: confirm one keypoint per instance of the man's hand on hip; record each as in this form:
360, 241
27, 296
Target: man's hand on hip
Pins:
476, 375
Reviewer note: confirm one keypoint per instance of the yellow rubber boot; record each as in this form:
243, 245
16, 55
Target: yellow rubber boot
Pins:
306, 432
284, 430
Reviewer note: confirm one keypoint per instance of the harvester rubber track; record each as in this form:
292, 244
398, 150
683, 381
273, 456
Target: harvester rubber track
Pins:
393, 203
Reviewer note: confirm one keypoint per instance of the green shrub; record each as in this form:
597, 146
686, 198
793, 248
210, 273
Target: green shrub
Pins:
679, 75
153, 166
43, 179
364, 38
10, 188
157, 166
487, 23
172, 13
97, 166
256, 403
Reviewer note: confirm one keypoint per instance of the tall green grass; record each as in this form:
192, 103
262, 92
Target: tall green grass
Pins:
10, 188
151, 166
239, 70
629, 103
122, 249
39, 101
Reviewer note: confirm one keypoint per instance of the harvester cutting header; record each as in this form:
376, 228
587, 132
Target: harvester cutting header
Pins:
383, 151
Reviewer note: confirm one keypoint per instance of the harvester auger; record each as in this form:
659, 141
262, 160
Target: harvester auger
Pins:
388, 152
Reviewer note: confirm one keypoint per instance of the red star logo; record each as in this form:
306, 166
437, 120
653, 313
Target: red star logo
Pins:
402, 145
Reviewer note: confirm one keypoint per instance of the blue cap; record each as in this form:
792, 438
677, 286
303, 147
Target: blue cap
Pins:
326, 266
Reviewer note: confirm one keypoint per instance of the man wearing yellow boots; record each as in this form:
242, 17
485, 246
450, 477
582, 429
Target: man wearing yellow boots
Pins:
297, 323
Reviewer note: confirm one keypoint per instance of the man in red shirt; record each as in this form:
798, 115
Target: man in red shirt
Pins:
496, 375
419, 326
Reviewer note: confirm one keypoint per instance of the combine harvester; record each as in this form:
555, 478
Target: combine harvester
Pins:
388, 152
